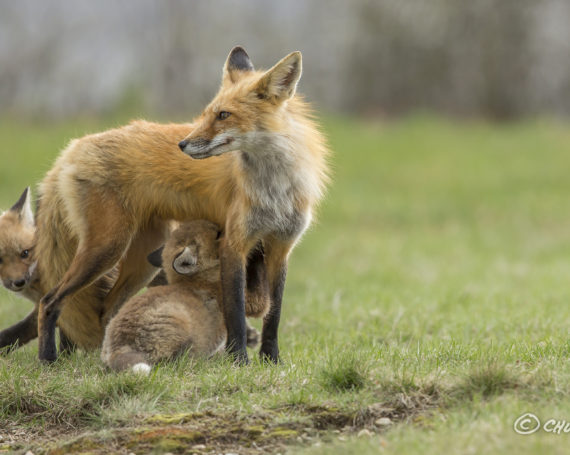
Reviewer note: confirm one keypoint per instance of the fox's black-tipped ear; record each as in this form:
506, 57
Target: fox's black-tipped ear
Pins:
238, 61
24, 208
280, 82
155, 258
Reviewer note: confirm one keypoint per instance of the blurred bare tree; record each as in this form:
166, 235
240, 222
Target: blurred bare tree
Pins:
499, 58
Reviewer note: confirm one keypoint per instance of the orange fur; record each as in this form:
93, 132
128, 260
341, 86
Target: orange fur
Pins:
124, 180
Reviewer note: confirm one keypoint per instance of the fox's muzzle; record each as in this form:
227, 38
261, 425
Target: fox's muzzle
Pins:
196, 148
16, 285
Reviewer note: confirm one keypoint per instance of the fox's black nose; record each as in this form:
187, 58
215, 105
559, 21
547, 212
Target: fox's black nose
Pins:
19, 283
182, 145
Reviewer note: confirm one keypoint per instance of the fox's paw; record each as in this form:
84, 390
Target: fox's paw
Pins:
47, 354
239, 356
269, 353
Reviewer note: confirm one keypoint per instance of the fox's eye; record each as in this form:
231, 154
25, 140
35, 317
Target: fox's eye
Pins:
224, 115
0, 260
24, 254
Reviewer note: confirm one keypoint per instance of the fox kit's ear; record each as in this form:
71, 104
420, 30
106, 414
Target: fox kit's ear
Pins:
280, 82
185, 262
237, 62
24, 208
155, 258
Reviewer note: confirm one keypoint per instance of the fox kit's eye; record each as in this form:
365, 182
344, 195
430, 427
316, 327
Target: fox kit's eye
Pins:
24, 254
224, 115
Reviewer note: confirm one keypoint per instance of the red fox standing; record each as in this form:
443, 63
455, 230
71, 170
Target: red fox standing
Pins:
106, 200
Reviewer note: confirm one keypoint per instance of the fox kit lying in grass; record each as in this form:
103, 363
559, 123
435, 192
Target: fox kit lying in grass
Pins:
19, 274
184, 315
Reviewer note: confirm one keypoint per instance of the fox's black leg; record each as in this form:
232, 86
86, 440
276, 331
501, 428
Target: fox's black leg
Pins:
276, 259
21, 332
233, 301
66, 346
269, 344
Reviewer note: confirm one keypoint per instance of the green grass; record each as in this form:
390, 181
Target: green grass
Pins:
433, 290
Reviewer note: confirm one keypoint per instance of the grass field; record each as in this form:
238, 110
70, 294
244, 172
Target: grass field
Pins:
425, 311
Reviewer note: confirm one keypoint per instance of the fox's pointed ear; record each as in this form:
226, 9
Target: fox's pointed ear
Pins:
155, 258
24, 208
280, 82
237, 62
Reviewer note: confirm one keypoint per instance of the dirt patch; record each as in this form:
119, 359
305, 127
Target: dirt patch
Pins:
209, 432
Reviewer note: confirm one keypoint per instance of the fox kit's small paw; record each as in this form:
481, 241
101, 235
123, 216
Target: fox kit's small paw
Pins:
141, 368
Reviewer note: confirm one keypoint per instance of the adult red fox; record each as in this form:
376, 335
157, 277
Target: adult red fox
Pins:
106, 200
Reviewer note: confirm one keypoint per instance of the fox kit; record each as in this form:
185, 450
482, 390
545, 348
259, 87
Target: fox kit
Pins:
18, 268
254, 162
184, 315
18, 271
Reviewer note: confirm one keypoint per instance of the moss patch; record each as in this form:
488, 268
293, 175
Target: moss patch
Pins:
208, 432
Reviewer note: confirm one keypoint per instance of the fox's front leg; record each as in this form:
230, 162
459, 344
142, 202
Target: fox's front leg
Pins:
232, 262
21, 332
276, 258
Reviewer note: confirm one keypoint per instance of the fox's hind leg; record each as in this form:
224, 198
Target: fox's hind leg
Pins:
66, 346
102, 244
257, 292
257, 296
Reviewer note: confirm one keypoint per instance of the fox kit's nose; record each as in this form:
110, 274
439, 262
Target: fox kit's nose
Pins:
19, 283
182, 144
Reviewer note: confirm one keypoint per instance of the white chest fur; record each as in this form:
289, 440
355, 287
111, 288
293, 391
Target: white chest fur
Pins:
276, 183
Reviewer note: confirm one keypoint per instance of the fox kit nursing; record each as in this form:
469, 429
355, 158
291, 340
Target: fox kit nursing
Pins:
106, 200
184, 315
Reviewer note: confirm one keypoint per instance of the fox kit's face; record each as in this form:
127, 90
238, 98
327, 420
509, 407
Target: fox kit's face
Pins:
17, 232
246, 107
190, 249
